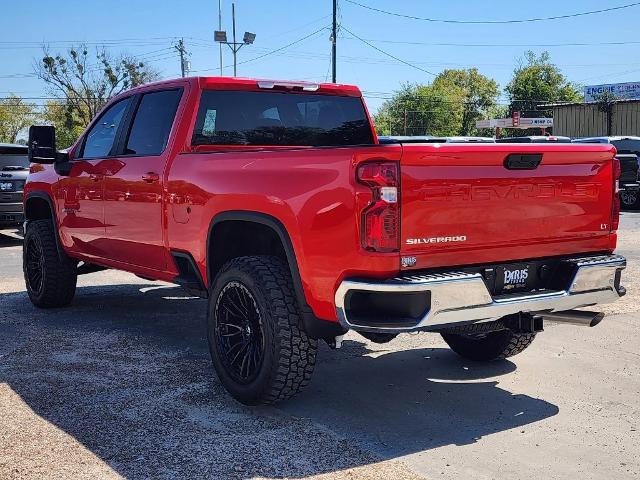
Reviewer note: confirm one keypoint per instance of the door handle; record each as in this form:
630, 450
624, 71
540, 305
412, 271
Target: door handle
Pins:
151, 177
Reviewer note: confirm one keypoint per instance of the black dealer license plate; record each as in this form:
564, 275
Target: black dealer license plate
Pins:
514, 278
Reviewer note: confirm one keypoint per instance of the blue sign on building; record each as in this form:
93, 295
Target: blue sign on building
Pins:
623, 91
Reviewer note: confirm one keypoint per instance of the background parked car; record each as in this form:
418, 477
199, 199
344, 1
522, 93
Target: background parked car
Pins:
14, 168
628, 153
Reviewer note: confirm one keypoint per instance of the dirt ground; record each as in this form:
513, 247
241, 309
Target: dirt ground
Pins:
120, 385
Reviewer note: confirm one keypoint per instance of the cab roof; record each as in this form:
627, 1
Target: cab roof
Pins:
254, 84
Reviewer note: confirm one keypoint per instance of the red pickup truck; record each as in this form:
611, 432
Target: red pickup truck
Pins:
276, 202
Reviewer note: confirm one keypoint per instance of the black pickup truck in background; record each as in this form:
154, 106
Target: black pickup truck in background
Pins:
14, 168
628, 153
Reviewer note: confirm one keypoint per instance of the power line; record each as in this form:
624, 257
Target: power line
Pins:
85, 41
205, 43
387, 53
391, 95
493, 22
284, 47
521, 45
370, 60
610, 75
271, 52
300, 27
308, 55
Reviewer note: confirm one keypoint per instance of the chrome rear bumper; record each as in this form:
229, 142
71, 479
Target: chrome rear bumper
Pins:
458, 298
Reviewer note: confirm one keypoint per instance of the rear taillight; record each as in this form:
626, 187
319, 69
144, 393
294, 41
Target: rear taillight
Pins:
615, 204
381, 218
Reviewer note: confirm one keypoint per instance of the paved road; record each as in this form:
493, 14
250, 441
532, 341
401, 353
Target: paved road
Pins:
120, 384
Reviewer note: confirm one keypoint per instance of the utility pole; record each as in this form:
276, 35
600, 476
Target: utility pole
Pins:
334, 35
221, 37
184, 64
220, 29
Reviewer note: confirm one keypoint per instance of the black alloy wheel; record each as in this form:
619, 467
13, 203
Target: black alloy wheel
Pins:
258, 345
50, 275
239, 332
34, 265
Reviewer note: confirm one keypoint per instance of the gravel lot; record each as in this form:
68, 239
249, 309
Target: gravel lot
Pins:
120, 385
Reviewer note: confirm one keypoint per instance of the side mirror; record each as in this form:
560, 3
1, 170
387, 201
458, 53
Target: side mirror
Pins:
42, 144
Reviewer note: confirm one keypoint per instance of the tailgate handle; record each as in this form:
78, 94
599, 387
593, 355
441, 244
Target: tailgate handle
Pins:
523, 161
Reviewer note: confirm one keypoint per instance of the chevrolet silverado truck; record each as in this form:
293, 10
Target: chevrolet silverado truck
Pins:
276, 202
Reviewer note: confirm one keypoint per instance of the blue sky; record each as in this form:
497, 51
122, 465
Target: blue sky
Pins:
149, 28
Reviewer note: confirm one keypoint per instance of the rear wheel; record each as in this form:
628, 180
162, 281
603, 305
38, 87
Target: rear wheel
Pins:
487, 346
258, 349
49, 277
630, 199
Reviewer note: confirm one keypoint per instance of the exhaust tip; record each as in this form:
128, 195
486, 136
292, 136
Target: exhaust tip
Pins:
597, 319
575, 317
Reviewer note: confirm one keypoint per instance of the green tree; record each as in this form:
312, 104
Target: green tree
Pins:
84, 83
422, 110
479, 94
62, 116
537, 81
15, 116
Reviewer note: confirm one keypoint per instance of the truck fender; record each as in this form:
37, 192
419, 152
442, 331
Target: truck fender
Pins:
45, 197
315, 327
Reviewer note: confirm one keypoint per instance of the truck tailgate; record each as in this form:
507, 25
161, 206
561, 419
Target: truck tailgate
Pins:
462, 205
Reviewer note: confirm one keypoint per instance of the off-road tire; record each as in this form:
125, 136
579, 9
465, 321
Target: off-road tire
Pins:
488, 346
57, 284
289, 354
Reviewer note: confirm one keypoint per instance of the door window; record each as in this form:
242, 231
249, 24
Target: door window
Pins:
152, 124
100, 138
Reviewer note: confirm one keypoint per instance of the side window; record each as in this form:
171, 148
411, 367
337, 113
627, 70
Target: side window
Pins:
102, 135
152, 123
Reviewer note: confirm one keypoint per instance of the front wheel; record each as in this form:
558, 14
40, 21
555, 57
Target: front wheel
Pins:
50, 278
630, 199
487, 346
258, 348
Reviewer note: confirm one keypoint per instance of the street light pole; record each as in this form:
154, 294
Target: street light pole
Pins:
220, 28
221, 37
235, 51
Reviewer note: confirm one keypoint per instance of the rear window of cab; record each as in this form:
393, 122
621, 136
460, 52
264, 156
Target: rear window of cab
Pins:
280, 119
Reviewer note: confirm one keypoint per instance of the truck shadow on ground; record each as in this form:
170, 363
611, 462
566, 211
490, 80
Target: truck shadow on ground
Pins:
127, 374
